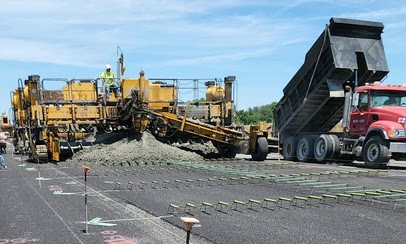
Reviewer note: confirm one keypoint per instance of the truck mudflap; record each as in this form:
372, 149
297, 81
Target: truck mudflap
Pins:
397, 147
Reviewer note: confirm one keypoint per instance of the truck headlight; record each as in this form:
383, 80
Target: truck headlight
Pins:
401, 120
396, 133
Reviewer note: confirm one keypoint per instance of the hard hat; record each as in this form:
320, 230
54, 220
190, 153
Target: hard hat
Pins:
107, 66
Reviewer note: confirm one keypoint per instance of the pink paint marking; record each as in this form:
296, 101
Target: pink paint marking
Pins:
54, 188
111, 237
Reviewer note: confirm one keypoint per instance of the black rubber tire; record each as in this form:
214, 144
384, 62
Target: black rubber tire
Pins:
323, 148
305, 149
226, 152
376, 152
289, 148
261, 149
336, 147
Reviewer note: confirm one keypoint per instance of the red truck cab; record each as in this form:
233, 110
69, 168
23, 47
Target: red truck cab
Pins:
379, 115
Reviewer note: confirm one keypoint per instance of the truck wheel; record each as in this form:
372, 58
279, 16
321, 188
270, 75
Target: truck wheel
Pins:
305, 149
289, 148
261, 150
376, 152
323, 148
336, 146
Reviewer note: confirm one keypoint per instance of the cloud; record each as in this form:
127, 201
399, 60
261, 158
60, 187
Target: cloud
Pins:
221, 58
381, 13
297, 3
35, 51
59, 32
86, 32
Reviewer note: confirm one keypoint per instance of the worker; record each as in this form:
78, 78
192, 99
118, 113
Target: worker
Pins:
2, 161
108, 78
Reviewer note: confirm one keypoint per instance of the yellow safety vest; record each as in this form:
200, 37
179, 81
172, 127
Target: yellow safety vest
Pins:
108, 78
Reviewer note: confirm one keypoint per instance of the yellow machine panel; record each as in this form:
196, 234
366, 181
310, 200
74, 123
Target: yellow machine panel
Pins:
59, 112
92, 112
160, 97
127, 86
161, 93
84, 91
16, 103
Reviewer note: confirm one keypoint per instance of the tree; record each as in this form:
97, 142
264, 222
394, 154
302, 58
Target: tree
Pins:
256, 114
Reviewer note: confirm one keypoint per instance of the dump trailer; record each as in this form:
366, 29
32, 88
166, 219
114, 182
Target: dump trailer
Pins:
340, 80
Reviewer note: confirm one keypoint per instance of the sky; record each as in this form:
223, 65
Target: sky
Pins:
262, 42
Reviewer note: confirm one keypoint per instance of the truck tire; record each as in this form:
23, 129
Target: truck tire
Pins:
305, 149
323, 148
336, 147
261, 149
289, 148
376, 152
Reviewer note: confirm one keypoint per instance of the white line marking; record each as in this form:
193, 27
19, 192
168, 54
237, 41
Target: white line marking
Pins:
71, 183
132, 219
53, 210
120, 206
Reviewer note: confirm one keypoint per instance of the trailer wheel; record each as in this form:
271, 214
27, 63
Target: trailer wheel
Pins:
376, 152
305, 149
323, 148
261, 149
289, 148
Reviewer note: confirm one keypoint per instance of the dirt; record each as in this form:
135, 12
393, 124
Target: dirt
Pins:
141, 149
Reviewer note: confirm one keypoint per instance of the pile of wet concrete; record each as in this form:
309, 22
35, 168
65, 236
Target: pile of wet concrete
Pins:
139, 149
205, 149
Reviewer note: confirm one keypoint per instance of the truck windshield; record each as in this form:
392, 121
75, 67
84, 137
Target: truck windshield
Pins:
388, 98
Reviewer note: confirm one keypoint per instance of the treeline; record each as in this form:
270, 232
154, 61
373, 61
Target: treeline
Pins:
256, 114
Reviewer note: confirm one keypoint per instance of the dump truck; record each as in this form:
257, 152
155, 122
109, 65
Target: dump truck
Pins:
340, 82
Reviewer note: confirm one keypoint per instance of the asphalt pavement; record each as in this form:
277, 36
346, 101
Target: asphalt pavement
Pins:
53, 210
132, 204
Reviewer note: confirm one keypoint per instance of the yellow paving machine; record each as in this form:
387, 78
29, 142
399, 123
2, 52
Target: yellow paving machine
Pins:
51, 123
